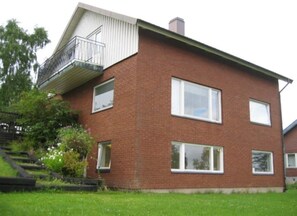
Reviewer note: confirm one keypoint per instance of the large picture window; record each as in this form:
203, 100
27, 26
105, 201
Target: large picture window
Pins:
291, 160
262, 162
187, 157
195, 101
259, 112
104, 155
103, 96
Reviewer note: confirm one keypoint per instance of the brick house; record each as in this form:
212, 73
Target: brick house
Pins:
290, 141
168, 113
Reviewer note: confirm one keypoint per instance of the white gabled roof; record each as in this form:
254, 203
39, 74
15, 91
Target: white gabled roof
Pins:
76, 16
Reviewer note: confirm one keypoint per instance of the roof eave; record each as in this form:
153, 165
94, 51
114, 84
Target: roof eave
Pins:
290, 127
211, 50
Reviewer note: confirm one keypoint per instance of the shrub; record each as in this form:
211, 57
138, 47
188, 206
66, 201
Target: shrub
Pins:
41, 116
73, 166
76, 138
54, 159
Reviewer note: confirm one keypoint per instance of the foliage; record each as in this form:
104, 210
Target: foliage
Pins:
42, 116
68, 158
54, 159
76, 138
292, 186
21, 145
123, 203
17, 59
73, 166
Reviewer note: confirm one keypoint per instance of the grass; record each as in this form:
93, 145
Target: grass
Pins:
6, 170
121, 203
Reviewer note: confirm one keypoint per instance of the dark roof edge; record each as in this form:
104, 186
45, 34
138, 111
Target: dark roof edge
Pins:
290, 127
145, 25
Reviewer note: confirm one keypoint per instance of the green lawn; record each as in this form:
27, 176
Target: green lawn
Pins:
121, 203
6, 170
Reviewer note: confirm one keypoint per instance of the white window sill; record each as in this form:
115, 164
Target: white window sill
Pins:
196, 118
263, 173
105, 108
261, 124
197, 171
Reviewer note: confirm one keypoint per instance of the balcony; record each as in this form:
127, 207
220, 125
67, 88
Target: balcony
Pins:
75, 64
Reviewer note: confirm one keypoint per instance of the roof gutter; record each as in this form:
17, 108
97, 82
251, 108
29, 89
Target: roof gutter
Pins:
211, 50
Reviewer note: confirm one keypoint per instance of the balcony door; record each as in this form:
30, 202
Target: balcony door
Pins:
95, 51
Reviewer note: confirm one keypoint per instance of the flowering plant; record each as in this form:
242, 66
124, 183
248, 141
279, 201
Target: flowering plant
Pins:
54, 158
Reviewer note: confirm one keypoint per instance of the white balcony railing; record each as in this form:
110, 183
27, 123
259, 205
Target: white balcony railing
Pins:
78, 49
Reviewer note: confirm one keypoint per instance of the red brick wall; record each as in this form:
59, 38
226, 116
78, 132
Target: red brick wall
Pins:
141, 127
158, 62
290, 140
116, 124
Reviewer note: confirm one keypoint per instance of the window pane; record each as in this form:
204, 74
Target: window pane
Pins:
197, 157
216, 159
262, 162
291, 160
105, 155
196, 100
259, 112
104, 96
175, 97
215, 105
175, 155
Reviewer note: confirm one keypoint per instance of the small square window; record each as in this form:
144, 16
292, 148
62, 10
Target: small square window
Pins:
104, 155
262, 162
260, 112
103, 96
291, 160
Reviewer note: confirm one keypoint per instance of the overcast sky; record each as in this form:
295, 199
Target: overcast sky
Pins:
263, 32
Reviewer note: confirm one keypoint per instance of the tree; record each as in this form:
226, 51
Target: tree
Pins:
41, 116
18, 59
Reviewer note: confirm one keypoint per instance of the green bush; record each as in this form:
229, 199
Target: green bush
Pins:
41, 116
73, 165
77, 139
54, 159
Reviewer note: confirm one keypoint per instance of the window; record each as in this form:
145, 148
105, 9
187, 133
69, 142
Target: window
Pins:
103, 96
195, 101
259, 112
196, 158
291, 160
104, 153
262, 162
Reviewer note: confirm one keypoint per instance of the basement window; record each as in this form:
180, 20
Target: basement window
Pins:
194, 158
103, 96
195, 101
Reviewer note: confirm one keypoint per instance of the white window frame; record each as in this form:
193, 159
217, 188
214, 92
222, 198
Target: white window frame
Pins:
267, 105
287, 160
94, 92
271, 162
211, 170
181, 105
100, 151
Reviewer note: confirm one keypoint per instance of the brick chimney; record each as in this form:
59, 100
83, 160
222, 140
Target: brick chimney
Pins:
177, 25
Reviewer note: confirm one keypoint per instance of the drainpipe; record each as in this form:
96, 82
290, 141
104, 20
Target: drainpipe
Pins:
282, 137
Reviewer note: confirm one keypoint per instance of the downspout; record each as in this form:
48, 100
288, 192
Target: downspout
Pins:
282, 137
